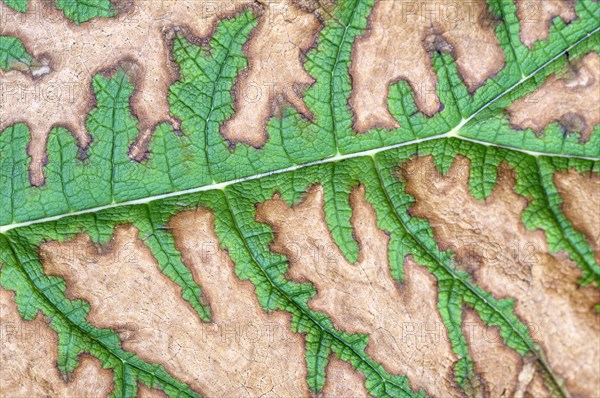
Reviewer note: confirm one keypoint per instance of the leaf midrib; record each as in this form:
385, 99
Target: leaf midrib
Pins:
453, 133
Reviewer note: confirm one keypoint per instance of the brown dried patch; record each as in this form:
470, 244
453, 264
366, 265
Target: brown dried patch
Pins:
500, 371
406, 331
242, 352
28, 360
343, 381
572, 100
581, 204
535, 389
275, 75
145, 392
324, 9
137, 40
535, 17
399, 43
506, 259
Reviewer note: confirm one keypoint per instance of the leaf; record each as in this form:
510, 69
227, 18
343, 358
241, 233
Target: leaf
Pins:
328, 260
78, 11
13, 54
17, 5
82, 11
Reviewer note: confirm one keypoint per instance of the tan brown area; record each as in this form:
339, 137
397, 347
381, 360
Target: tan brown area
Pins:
145, 392
535, 389
398, 45
496, 366
342, 381
275, 75
572, 100
500, 371
535, 17
138, 40
28, 358
580, 193
492, 243
242, 352
406, 332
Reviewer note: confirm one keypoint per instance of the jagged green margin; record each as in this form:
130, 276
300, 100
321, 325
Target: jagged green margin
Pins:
36, 292
274, 292
17, 5
79, 178
520, 62
492, 125
198, 155
455, 288
483, 173
401, 95
493, 312
78, 11
560, 232
248, 241
13, 54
